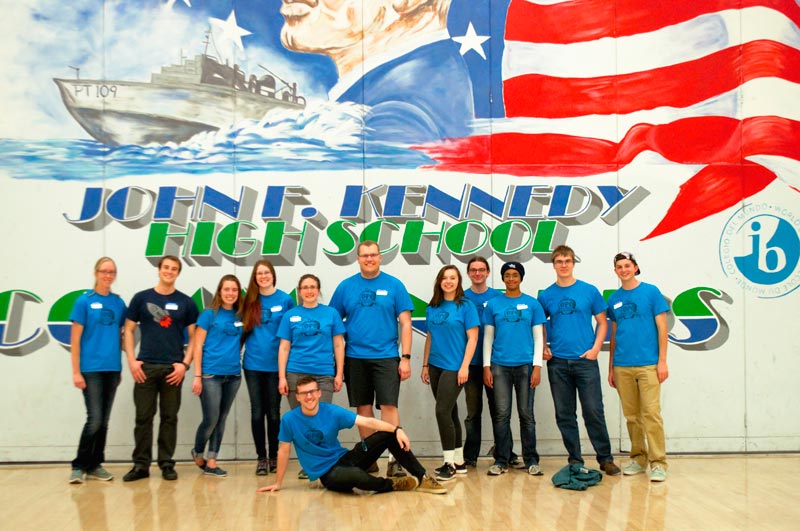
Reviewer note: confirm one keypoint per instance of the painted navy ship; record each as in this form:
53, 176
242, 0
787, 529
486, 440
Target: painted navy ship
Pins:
197, 95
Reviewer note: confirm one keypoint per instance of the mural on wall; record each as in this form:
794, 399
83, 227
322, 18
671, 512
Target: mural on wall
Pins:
225, 131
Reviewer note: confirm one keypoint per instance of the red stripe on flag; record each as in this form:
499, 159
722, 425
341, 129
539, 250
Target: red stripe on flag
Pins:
680, 85
696, 140
586, 20
712, 190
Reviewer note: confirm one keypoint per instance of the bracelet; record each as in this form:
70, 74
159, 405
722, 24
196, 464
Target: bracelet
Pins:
397, 428
425, 365
185, 365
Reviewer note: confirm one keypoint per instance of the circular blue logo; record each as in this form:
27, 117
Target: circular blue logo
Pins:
760, 249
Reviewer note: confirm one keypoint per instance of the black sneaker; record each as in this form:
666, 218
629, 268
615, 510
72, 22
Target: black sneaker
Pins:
469, 462
169, 473
135, 474
446, 472
394, 470
273, 464
462, 468
262, 468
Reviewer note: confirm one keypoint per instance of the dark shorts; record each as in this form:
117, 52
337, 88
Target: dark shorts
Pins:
372, 381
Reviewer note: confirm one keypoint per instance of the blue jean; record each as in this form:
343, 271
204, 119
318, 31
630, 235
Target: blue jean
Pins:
216, 400
101, 387
517, 380
265, 401
582, 376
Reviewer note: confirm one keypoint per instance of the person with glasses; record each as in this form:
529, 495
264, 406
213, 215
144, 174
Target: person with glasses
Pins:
163, 315
637, 365
314, 428
311, 344
372, 303
95, 344
480, 294
217, 370
512, 364
449, 347
264, 306
572, 367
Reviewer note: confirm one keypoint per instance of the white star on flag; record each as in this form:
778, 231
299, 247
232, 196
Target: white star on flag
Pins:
471, 41
230, 29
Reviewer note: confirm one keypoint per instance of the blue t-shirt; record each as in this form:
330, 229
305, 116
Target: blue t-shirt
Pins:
448, 324
261, 346
370, 308
162, 320
480, 300
311, 332
101, 317
634, 311
513, 320
316, 438
571, 311
222, 347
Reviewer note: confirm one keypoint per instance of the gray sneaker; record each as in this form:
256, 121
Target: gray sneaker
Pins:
535, 470
394, 470
496, 470
633, 468
76, 477
658, 473
100, 474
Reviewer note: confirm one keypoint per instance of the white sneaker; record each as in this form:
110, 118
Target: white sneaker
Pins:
633, 468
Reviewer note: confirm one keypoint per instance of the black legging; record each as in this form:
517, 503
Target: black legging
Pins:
444, 385
351, 470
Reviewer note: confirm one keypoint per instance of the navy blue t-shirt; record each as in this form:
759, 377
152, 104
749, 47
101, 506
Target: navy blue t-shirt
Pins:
162, 320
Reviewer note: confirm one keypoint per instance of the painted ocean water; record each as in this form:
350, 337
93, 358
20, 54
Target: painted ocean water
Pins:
324, 136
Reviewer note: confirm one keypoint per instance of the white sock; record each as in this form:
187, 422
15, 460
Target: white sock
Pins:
459, 456
449, 455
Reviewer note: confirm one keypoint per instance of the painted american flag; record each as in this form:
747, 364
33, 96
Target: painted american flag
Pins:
588, 85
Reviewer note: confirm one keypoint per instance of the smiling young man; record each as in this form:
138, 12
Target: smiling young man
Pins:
314, 428
162, 314
512, 363
570, 304
637, 364
372, 303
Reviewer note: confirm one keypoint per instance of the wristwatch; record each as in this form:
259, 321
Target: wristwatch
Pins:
406, 356
185, 365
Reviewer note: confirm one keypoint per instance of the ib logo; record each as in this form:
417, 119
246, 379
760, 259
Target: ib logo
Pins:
760, 249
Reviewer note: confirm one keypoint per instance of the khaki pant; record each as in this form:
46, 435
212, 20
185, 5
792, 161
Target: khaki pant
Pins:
640, 394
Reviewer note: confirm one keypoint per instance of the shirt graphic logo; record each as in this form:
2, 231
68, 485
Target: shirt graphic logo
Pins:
160, 316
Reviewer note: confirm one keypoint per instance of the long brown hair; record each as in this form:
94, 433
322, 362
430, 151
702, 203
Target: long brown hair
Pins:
438, 292
216, 302
252, 304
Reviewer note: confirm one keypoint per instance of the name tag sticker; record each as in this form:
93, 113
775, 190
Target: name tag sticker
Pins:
295, 318
522, 306
276, 308
617, 305
381, 292
237, 323
171, 306
97, 305
485, 304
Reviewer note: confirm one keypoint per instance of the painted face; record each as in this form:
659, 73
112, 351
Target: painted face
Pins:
369, 260
169, 271
625, 269
326, 26
309, 291
264, 278
478, 272
449, 282
564, 266
512, 280
229, 293
105, 275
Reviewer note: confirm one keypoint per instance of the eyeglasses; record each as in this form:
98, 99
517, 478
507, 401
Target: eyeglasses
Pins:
106, 271
307, 393
371, 255
473, 270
